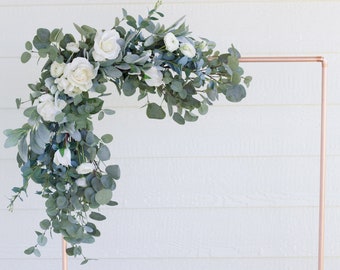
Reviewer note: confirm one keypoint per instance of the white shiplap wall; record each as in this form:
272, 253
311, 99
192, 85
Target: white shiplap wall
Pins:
236, 190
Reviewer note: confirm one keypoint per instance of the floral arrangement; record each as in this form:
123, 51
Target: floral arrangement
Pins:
57, 148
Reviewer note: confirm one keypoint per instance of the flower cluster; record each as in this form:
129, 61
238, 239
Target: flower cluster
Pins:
57, 148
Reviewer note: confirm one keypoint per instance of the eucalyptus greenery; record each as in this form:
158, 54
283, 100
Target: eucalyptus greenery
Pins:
57, 148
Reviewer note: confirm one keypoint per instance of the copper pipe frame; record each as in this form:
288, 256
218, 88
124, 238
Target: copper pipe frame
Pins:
322, 147
64, 255
323, 62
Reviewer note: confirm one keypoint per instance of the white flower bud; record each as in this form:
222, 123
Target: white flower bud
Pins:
85, 168
62, 157
57, 69
188, 50
81, 182
171, 42
72, 47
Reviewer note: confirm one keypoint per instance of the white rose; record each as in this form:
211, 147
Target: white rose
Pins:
188, 50
81, 182
79, 75
155, 77
171, 42
72, 47
48, 108
62, 159
57, 69
85, 168
106, 45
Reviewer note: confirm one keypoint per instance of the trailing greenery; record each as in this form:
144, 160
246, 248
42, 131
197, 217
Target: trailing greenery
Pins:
57, 148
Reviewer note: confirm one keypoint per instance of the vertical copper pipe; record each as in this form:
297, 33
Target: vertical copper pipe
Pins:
64, 255
322, 141
322, 167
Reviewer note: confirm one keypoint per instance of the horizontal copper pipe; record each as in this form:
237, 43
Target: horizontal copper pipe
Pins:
283, 59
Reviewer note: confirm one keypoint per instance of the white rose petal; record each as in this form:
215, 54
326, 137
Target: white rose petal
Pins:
78, 76
72, 47
171, 42
156, 76
48, 108
85, 168
188, 50
57, 69
64, 159
106, 45
81, 182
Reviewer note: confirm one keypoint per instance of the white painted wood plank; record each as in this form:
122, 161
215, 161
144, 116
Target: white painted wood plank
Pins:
280, 27
204, 182
225, 131
122, 2
186, 233
147, 243
170, 264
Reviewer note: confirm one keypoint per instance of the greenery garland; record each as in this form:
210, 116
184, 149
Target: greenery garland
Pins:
57, 148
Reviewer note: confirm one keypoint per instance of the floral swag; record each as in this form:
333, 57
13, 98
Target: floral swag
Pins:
57, 148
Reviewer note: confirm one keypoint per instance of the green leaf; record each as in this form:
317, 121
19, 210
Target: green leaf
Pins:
28, 46
29, 250
104, 153
37, 252
101, 115
38, 44
149, 41
124, 12
101, 88
103, 196
43, 133
18, 102
23, 149
77, 99
108, 182
56, 35
178, 118
25, 57
109, 112
189, 116
131, 21
107, 138
97, 216
43, 34
62, 202
12, 139
45, 224
42, 240
176, 86
233, 62
112, 203
113, 171
85, 261
70, 251
235, 93
130, 85
154, 111
113, 72
203, 109
247, 80
80, 30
